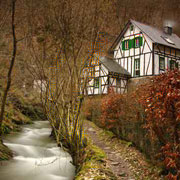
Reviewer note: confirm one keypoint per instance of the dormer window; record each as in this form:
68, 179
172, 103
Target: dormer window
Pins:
168, 40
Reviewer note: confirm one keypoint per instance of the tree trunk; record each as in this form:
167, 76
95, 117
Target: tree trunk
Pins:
10, 68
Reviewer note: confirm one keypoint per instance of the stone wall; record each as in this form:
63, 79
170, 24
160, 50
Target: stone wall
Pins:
133, 83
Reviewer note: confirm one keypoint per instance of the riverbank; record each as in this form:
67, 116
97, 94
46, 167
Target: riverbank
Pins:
5, 152
37, 154
19, 110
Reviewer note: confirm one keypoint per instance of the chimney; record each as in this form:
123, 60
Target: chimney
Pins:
168, 30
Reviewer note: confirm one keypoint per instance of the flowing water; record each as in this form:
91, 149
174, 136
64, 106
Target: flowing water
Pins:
36, 156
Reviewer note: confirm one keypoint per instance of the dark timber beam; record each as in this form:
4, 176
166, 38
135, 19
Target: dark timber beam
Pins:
153, 59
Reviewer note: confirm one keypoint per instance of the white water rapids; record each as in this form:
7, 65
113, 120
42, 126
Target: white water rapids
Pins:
36, 156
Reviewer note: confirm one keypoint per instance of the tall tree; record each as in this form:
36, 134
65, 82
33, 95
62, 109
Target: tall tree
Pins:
8, 85
64, 36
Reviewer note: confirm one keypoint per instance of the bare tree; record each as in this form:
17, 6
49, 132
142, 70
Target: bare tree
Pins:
10, 68
67, 38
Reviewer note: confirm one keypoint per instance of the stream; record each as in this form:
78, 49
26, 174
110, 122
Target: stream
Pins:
37, 156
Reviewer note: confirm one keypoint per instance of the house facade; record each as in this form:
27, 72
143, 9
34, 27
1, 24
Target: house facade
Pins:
104, 73
139, 51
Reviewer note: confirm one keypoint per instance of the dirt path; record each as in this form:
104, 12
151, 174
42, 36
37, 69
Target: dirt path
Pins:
125, 162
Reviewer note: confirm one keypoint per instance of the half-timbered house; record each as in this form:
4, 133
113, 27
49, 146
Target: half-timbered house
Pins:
103, 73
139, 51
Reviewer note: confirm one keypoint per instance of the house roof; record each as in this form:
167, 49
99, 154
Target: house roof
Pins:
156, 35
112, 65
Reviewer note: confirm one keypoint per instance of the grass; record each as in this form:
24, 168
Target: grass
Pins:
94, 165
141, 167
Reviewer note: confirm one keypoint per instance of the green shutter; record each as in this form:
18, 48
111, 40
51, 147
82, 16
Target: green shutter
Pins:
123, 45
133, 43
130, 43
140, 41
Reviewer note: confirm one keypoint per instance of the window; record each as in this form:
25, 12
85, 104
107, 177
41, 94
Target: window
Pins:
131, 28
132, 43
118, 82
96, 82
173, 64
161, 63
137, 43
126, 43
94, 61
91, 71
137, 67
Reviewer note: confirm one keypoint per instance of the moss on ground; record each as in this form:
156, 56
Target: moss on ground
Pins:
94, 165
141, 167
5, 152
19, 110
29, 106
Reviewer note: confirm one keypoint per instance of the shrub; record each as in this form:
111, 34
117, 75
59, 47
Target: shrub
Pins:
92, 108
149, 117
125, 117
161, 100
111, 110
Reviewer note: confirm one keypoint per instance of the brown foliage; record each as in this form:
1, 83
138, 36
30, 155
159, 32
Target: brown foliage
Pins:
161, 100
149, 117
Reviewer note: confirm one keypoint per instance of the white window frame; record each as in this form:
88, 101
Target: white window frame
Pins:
137, 66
